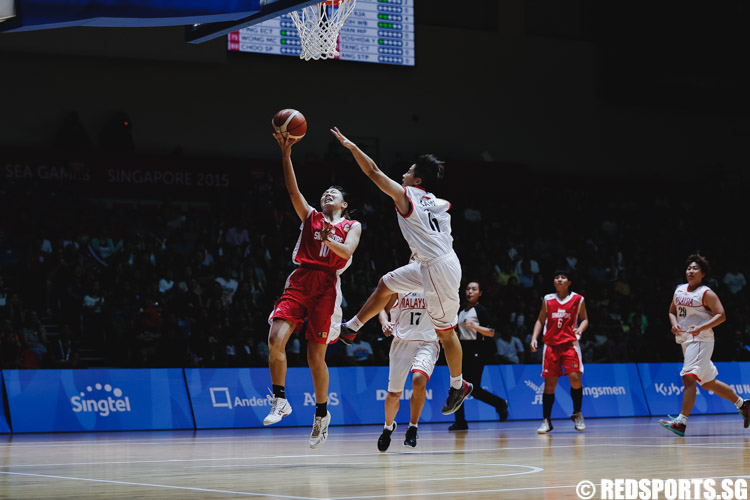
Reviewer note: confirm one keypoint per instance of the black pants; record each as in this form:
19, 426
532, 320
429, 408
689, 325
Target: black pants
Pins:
473, 366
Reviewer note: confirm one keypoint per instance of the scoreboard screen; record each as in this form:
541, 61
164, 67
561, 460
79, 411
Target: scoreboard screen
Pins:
377, 31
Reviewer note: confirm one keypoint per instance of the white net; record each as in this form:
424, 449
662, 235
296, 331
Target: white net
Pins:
319, 27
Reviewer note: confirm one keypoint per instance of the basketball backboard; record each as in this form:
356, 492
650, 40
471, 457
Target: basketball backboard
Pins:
7, 9
203, 19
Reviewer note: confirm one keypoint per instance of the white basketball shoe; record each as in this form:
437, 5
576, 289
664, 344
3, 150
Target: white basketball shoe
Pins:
280, 408
319, 433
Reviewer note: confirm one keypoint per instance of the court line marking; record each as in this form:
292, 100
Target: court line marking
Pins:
283, 457
231, 492
534, 469
151, 485
369, 454
244, 493
429, 430
364, 436
503, 490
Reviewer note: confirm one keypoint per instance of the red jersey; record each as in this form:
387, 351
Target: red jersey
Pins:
562, 318
311, 252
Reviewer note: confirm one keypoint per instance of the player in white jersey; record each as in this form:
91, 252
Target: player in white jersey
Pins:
426, 226
415, 348
694, 312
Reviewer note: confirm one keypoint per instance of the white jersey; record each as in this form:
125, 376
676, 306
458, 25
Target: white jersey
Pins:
691, 310
463, 331
427, 226
410, 319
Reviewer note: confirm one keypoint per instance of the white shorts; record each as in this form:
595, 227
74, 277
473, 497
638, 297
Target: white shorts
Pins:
698, 361
410, 356
440, 281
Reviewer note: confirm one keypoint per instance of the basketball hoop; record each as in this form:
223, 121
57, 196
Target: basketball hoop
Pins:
319, 25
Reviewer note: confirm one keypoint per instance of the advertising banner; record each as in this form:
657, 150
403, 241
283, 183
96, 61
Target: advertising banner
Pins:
4, 427
240, 397
609, 390
97, 400
663, 387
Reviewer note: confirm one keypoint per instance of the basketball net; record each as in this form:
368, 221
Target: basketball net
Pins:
319, 27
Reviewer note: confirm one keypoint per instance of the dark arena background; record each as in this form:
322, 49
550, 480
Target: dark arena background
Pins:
147, 232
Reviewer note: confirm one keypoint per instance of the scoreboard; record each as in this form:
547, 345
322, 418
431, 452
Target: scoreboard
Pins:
377, 31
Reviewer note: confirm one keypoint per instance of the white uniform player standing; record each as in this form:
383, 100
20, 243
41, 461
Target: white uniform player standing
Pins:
426, 225
415, 348
694, 311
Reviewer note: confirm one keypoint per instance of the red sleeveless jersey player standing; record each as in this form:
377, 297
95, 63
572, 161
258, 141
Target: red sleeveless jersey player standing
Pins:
563, 318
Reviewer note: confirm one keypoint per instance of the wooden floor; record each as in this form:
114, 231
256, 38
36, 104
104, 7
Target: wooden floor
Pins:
492, 460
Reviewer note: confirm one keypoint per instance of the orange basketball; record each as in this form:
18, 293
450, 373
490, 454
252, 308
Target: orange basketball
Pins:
290, 122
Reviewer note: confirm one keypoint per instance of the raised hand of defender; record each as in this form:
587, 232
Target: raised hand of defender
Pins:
342, 138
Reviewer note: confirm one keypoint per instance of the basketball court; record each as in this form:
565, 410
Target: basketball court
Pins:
491, 460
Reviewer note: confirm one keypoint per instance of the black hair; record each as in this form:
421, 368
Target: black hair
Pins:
344, 193
564, 272
348, 211
430, 170
702, 263
479, 284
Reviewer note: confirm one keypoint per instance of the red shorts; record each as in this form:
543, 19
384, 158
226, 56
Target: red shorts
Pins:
561, 359
315, 295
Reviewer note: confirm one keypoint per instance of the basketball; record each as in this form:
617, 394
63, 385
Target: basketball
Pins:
290, 122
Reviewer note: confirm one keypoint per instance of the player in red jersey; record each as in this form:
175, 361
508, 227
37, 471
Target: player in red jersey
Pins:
324, 250
563, 316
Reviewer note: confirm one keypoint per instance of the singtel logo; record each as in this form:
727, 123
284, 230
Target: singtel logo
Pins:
99, 401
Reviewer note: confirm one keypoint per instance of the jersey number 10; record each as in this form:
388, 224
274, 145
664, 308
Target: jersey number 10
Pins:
324, 250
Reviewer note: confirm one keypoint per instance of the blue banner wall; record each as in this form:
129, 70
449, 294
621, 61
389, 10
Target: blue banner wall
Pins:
4, 427
143, 399
609, 390
239, 397
97, 400
663, 386
492, 381
362, 394
236, 397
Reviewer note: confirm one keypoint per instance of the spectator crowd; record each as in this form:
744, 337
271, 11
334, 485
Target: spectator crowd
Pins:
92, 281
